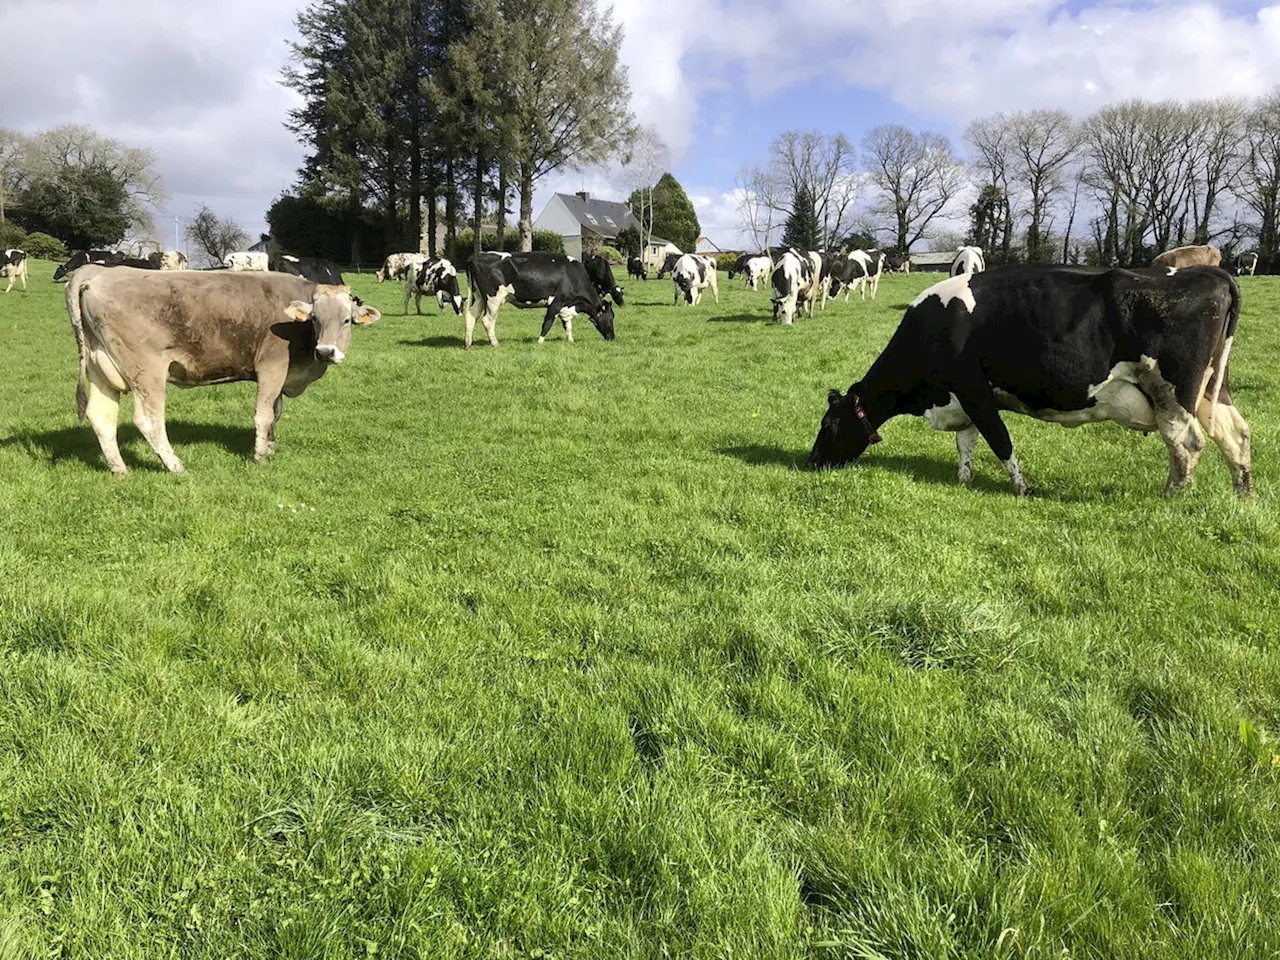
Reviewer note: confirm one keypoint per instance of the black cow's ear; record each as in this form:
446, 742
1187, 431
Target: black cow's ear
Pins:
833, 397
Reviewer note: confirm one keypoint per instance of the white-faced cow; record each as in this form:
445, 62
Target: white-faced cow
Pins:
167, 260
399, 265
315, 269
692, 274
13, 266
1246, 263
969, 260
80, 258
437, 278
796, 279
553, 280
635, 268
246, 260
1147, 349
601, 275
1202, 255
137, 331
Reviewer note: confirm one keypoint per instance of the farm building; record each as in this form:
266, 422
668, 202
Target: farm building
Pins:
577, 215
931, 262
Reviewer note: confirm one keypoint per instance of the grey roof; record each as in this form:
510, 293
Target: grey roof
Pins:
604, 217
943, 256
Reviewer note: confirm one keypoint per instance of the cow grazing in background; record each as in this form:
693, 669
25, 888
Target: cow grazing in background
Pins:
315, 269
601, 275
242, 260
1205, 255
754, 268
13, 267
437, 278
968, 260
896, 261
795, 285
553, 280
844, 273
692, 274
1147, 349
137, 331
167, 260
1246, 263
80, 258
669, 264
635, 268
399, 265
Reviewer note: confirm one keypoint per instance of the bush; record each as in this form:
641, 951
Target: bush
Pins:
548, 241
44, 247
725, 260
12, 236
545, 240
612, 254
628, 242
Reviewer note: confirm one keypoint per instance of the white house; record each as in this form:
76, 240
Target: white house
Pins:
575, 215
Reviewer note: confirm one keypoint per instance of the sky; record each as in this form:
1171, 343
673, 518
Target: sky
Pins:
719, 79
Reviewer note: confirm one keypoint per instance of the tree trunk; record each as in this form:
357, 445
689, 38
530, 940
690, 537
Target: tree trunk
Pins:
477, 192
526, 207
415, 128
432, 198
501, 228
391, 229
450, 208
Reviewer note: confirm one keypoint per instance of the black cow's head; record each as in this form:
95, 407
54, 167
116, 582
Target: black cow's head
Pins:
603, 319
846, 431
78, 260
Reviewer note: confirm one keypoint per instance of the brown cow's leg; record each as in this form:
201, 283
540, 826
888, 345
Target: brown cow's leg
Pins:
148, 417
1181, 433
103, 411
267, 411
1232, 435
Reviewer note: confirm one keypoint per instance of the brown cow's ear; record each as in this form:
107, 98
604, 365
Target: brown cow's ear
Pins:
298, 310
366, 315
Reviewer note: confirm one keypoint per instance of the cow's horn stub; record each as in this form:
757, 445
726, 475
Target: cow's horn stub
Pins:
833, 395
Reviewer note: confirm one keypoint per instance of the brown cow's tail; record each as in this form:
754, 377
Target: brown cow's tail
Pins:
1224, 352
72, 294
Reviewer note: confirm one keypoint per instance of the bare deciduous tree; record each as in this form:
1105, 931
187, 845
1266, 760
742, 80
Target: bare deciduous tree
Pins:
761, 207
1042, 144
1259, 181
215, 236
646, 161
821, 167
917, 175
991, 141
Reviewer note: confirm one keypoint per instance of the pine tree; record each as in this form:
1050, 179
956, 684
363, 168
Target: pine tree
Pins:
802, 229
674, 217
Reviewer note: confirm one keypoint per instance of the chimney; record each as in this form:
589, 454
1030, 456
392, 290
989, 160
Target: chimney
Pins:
584, 195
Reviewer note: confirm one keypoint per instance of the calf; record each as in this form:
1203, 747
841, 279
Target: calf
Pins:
796, 278
250, 260
399, 265
1205, 255
80, 258
167, 260
692, 274
601, 275
315, 269
13, 266
137, 331
1246, 263
435, 278
1147, 349
968, 260
635, 268
553, 280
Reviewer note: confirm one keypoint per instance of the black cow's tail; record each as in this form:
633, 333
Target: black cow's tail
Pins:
1224, 351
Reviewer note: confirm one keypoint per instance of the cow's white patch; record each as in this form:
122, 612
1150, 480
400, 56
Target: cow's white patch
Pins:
289, 258
1020, 485
1172, 271
952, 288
949, 417
1118, 398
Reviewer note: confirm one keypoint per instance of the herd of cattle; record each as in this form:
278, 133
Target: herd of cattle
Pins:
1146, 348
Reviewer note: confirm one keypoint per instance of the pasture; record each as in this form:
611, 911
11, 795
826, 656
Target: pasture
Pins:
552, 652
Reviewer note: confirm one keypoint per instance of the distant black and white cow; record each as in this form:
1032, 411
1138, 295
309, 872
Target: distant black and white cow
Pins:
79, 258
796, 279
754, 268
138, 263
399, 265
553, 280
1246, 263
167, 260
436, 278
968, 260
635, 268
601, 275
246, 260
872, 263
669, 264
1147, 349
692, 274
315, 269
895, 261
13, 266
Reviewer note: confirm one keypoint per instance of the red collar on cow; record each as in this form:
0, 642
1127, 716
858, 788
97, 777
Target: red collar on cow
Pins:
872, 436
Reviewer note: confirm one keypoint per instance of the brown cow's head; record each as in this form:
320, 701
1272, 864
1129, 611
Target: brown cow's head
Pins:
332, 310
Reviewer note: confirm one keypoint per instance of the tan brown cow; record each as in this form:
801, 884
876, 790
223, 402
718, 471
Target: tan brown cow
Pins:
1199, 256
138, 330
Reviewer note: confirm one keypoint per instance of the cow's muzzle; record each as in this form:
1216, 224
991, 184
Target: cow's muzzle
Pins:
329, 354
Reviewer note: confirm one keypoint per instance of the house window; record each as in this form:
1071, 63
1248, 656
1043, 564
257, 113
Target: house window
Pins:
609, 221
592, 218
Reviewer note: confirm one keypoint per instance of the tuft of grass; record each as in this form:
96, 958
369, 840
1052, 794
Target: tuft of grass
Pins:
553, 651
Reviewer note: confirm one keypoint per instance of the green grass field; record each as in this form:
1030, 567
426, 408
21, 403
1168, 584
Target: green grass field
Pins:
550, 651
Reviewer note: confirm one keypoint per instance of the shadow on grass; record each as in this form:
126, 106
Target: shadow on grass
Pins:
764, 455
935, 470
79, 443
740, 318
437, 342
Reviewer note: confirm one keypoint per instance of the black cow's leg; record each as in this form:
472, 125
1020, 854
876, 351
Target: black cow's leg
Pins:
979, 404
549, 320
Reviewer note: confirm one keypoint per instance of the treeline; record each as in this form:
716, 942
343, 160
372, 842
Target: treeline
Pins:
415, 111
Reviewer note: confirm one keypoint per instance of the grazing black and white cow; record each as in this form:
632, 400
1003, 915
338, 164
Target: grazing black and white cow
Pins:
79, 258
138, 263
1147, 349
601, 275
968, 260
315, 269
669, 264
635, 268
692, 274
553, 280
845, 273
895, 261
1247, 263
754, 267
13, 266
398, 265
168, 260
796, 278
871, 266
436, 278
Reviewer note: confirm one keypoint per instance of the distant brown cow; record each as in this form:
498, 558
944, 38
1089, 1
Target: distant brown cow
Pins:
140, 329
1202, 256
